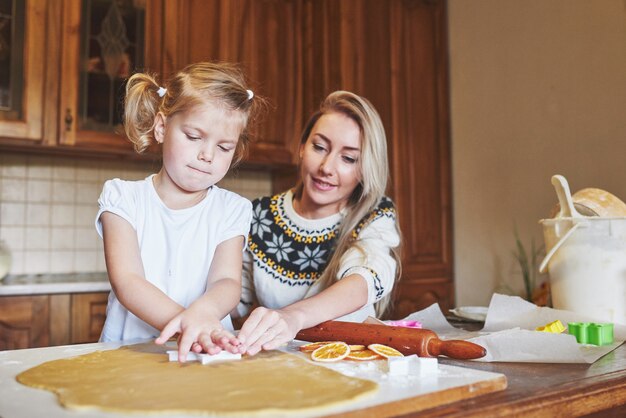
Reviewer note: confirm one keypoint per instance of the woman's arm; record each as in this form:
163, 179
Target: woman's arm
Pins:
127, 277
201, 322
368, 273
267, 329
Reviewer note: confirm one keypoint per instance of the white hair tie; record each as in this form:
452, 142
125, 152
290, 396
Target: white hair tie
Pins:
250, 94
161, 91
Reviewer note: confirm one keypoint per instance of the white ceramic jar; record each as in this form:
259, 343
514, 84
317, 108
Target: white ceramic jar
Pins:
5, 259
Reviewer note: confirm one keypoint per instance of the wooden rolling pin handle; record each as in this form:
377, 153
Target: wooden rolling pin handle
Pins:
457, 349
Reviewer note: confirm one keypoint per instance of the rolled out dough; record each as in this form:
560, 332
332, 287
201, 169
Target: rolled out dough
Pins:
140, 379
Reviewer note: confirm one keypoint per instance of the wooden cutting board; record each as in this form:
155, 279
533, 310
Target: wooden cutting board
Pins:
396, 395
400, 395
429, 399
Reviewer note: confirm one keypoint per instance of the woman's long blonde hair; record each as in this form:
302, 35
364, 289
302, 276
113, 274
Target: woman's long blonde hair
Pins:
221, 84
374, 172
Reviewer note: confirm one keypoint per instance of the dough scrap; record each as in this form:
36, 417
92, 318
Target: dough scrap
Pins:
140, 379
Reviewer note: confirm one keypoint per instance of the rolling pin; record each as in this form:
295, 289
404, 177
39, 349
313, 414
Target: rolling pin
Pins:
422, 342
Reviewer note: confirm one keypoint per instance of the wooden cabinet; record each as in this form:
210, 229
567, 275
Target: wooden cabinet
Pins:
264, 36
295, 52
46, 320
349, 49
395, 54
103, 43
22, 70
392, 52
77, 55
89, 48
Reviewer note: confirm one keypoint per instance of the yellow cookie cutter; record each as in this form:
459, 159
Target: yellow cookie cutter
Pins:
555, 327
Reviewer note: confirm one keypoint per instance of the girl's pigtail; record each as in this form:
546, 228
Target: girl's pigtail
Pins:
141, 106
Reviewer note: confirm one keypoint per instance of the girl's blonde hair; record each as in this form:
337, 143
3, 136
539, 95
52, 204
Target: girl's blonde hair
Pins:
374, 173
221, 84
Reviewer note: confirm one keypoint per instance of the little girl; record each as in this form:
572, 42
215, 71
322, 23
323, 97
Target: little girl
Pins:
173, 242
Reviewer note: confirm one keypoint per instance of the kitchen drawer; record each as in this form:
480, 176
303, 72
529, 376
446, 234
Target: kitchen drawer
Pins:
48, 320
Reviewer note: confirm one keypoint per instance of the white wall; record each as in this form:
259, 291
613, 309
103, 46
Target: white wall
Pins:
538, 87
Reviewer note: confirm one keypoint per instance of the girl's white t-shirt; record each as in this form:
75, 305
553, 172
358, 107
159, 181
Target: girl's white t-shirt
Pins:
176, 246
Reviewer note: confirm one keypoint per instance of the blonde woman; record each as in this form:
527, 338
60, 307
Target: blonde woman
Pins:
327, 249
173, 242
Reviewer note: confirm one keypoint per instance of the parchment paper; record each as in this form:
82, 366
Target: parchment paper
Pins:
509, 333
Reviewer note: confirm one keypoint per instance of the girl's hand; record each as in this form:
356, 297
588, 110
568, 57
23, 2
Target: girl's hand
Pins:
267, 329
216, 341
198, 333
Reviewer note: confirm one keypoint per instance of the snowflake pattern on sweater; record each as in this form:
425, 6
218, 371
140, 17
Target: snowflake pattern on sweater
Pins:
297, 256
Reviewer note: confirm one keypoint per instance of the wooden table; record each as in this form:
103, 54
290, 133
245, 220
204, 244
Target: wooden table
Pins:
548, 390
534, 389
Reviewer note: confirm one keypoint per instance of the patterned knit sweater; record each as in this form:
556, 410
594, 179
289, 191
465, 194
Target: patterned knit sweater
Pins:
287, 254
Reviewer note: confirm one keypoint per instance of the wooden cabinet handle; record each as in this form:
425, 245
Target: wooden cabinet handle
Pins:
69, 119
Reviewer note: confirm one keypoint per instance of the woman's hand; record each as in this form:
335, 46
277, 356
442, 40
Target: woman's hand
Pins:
199, 333
267, 329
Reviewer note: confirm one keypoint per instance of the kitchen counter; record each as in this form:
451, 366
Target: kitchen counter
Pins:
40, 284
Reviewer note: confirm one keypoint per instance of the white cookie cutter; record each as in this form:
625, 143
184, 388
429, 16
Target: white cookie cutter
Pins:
205, 358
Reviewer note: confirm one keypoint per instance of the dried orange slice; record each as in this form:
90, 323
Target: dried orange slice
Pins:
363, 355
357, 347
385, 351
309, 348
331, 352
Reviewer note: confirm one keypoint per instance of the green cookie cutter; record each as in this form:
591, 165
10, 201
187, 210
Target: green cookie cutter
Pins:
591, 332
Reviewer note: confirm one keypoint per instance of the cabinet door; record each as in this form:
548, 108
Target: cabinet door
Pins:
88, 316
23, 322
264, 36
420, 151
394, 53
417, 294
104, 41
271, 58
22, 43
348, 49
